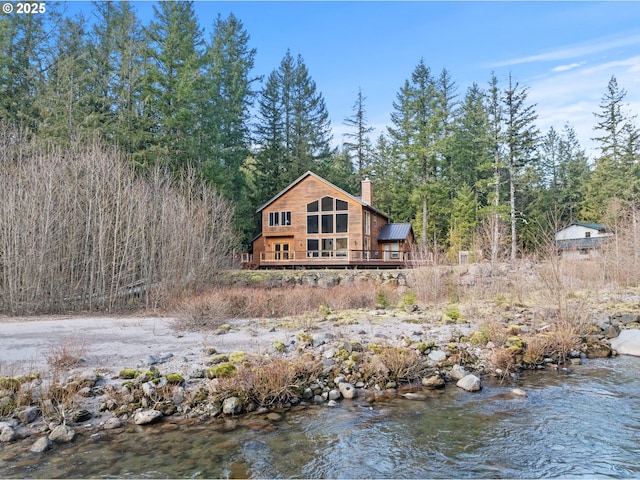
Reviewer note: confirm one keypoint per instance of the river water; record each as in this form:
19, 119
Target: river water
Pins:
582, 424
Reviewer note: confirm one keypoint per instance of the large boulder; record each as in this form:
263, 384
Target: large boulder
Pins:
347, 390
145, 417
627, 343
62, 434
231, 406
470, 383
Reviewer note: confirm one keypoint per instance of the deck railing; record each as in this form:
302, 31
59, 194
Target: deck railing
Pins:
333, 256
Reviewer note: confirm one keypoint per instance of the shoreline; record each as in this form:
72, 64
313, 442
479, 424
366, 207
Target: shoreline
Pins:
168, 375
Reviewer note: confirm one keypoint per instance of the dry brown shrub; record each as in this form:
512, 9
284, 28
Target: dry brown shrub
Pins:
67, 354
212, 308
392, 363
80, 230
537, 347
267, 381
564, 338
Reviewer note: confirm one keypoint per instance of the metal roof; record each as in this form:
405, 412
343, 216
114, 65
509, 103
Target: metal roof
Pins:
595, 226
394, 231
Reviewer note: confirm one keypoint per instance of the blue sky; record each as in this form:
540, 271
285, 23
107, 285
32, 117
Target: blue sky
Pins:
565, 52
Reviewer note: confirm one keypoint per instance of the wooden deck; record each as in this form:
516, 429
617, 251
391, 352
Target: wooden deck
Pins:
333, 259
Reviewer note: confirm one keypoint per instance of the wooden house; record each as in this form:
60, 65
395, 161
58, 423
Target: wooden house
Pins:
312, 223
581, 240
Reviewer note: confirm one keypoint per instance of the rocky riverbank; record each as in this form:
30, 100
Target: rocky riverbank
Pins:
96, 375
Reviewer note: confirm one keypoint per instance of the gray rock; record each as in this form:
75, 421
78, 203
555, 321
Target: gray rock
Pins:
458, 372
7, 433
148, 389
112, 423
41, 445
81, 415
332, 403
435, 381
329, 353
62, 434
156, 359
146, 417
470, 383
231, 406
334, 395
627, 343
29, 414
627, 318
612, 331
347, 390
318, 399
307, 394
437, 356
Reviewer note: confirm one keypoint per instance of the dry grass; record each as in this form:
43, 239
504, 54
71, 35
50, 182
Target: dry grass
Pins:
267, 382
66, 355
210, 309
392, 363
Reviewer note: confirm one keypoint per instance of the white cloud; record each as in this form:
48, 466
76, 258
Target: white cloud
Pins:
573, 51
564, 68
574, 95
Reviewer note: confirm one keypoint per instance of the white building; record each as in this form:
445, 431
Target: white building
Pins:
581, 240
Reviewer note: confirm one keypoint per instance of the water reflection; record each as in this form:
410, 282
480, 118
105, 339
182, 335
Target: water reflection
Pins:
583, 424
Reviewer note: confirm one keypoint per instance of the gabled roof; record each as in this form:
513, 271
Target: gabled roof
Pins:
594, 226
392, 232
329, 184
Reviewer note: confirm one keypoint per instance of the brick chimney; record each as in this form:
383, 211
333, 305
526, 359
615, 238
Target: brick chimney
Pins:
367, 191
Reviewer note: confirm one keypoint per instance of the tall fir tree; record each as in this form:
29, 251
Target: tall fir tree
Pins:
293, 132
616, 172
24, 43
172, 87
358, 144
521, 137
228, 98
117, 48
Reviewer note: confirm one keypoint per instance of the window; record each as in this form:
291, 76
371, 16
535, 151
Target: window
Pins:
312, 207
367, 223
277, 219
312, 223
587, 234
327, 204
342, 246
342, 223
327, 247
327, 223
312, 247
341, 205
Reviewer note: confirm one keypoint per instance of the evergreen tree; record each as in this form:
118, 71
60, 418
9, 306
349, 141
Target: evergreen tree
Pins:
172, 87
228, 98
521, 138
293, 132
359, 145
67, 103
23, 59
616, 174
472, 161
117, 61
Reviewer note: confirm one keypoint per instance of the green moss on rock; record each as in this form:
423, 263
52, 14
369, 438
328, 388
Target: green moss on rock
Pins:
128, 373
222, 370
175, 378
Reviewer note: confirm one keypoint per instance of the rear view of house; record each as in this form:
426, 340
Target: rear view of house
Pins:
581, 240
313, 223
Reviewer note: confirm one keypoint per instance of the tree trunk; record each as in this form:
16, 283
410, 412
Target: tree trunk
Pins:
512, 200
